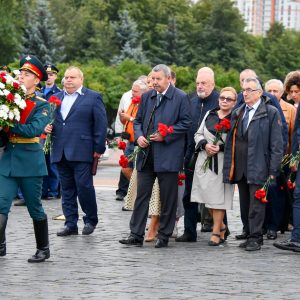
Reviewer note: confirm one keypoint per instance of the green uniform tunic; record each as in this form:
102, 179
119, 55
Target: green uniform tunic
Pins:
23, 164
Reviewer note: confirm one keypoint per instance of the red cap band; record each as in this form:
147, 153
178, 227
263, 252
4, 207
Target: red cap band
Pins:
33, 69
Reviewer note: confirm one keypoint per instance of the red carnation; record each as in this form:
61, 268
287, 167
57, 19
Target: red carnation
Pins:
16, 85
180, 183
162, 129
225, 123
121, 145
10, 97
43, 136
54, 100
3, 78
218, 127
123, 162
181, 176
261, 195
290, 185
170, 130
136, 100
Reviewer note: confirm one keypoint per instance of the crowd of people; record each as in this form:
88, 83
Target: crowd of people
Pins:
213, 141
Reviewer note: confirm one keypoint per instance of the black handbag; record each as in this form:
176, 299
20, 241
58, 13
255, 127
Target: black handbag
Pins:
125, 135
192, 162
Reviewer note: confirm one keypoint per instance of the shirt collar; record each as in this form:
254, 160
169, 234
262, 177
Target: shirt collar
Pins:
79, 91
255, 106
164, 92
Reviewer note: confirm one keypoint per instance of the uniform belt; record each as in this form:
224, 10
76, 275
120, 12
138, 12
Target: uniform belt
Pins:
22, 140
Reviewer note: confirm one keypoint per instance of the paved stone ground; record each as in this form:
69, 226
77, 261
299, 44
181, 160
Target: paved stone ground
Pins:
98, 267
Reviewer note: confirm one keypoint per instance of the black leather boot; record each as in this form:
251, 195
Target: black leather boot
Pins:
42, 242
3, 222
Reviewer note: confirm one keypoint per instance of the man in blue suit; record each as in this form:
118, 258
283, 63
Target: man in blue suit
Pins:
78, 140
162, 157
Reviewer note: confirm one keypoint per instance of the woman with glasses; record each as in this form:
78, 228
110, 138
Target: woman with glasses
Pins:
208, 186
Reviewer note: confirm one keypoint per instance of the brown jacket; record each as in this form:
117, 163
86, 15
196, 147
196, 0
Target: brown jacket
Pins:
289, 112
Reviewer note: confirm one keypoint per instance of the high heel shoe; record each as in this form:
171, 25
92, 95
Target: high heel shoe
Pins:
212, 243
226, 234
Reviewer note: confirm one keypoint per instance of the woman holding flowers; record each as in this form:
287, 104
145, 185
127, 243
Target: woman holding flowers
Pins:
23, 162
208, 186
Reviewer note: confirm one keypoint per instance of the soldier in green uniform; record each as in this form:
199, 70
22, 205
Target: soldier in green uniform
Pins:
23, 161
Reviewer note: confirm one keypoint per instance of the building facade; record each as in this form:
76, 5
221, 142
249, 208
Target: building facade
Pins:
260, 14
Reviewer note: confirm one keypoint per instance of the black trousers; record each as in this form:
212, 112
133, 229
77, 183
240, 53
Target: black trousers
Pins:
252, 209
122, 185
168, 197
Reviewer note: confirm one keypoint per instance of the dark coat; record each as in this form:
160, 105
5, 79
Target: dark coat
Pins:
199, 107
174, 110
83, 132
265, 145
271, 99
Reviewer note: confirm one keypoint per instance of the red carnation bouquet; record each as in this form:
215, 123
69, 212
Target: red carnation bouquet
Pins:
136, 100
181, 178
261, 194
54, 103
222, 127
162, 129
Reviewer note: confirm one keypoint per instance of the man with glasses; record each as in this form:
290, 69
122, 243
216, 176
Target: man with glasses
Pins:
269, 99
252, 155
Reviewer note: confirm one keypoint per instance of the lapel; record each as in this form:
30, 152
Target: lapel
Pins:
77, 101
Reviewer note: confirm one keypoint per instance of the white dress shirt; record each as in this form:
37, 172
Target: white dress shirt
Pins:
68, 102
252, 111
123, 106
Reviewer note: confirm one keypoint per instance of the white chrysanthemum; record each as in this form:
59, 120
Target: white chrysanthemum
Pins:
17, 96
17, 118
11, 115
16, 111
9, 79
5, 108
2, 86
16, 72
23, 88
22, 104
6, 92
1, 93
3, 115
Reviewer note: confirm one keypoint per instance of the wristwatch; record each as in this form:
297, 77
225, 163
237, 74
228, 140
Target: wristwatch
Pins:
131, 119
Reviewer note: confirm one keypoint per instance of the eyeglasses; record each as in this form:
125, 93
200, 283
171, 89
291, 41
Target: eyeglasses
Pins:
248, 91
227, 99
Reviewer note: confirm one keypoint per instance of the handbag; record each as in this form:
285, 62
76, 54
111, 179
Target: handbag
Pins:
192, 162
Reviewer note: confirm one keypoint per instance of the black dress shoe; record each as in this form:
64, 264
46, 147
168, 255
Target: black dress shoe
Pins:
206, 227
132, 241
161, 243
40, 256
253, 245
271, 235
126, 209
119, 197
242, 236
185, 238
67, 231
88, 229
288, 245
243, 244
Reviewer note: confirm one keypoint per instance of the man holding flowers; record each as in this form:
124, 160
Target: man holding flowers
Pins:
23, 162
253, 152
161, 154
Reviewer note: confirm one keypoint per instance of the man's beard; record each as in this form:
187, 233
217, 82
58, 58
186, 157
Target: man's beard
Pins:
201, 94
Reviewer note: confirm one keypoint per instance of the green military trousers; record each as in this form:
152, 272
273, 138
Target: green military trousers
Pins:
31, 188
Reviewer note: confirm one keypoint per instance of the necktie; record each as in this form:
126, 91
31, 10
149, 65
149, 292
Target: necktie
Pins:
246, 119
158, 99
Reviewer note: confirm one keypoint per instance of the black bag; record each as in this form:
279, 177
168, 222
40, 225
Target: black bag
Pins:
125, 135
192, 162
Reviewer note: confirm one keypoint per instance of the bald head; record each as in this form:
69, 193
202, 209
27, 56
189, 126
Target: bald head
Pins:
247, 73
205, 82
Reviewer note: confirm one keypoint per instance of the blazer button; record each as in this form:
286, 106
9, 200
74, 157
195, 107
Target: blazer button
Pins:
64, 124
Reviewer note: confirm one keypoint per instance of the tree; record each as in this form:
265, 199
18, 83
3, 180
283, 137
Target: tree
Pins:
11, 23
129, 39
40, 36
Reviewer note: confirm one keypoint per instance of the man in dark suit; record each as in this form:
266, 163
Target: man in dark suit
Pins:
78, 139
253, 152
162, 157
270, 100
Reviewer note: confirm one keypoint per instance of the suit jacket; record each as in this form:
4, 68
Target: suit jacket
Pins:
174, 110
27, 160
83, 132
54, 90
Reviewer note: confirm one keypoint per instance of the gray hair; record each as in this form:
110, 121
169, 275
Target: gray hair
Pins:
141, 84
161, 67
75, 68
207, 70
253, 79
275, 81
